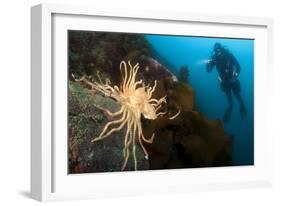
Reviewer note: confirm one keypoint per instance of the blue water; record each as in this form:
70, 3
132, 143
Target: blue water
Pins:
210, 100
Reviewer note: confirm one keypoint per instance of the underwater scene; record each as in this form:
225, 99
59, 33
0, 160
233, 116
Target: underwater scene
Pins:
150, 102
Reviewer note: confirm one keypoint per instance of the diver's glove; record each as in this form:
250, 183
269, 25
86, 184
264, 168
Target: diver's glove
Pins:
208, 65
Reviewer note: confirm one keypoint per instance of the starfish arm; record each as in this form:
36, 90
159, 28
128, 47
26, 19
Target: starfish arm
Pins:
126, 159
108, 88
111, 123
83, 79
141, 144
135, 70
101, 89
130, 76
125, 77
177, 114
152, 90
156, 101
160, 114
109, 112
127, 150
129, 123
116, 113
135, 157
137, 83
150, 140
134, 146
110, 132
157, 107
153, 100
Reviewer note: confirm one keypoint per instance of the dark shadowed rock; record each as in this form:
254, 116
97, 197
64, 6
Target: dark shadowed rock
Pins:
183, 74
190, 140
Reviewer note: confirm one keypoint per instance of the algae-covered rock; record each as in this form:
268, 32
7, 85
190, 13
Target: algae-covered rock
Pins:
91, 51
151, 70
190, 140
219, 152
86, 120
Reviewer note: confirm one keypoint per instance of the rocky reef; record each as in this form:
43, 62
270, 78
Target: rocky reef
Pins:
90, 52
86, 120
190, 140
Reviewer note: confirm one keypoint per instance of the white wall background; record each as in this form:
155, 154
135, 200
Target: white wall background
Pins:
15, 101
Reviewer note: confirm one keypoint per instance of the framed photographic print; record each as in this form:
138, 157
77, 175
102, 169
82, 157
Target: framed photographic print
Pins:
134, 102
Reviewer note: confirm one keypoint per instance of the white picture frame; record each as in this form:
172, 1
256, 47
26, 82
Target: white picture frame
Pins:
49, 179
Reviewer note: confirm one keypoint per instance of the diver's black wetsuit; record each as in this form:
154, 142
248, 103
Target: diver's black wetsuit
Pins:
228, 69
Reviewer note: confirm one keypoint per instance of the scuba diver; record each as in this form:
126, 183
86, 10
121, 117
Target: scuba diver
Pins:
228, 69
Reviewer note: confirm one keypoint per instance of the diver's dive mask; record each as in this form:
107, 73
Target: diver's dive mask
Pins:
218, 49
